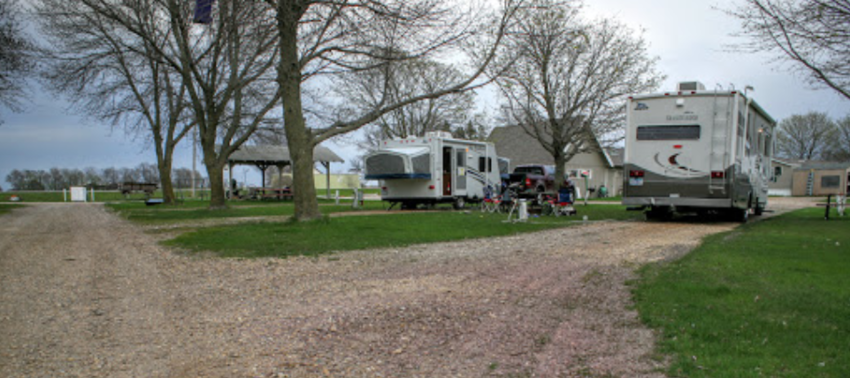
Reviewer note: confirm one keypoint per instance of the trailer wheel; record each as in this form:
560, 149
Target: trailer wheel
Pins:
408, 205
460, 203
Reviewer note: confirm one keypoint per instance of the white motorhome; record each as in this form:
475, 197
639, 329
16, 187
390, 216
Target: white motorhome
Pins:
433, 169
695, 150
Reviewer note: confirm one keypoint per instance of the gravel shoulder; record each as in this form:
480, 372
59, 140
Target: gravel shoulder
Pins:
87, 294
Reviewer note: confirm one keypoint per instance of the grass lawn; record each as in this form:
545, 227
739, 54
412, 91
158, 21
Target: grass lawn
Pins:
769, 299
282, 239
99, 196
6, 208
193, 210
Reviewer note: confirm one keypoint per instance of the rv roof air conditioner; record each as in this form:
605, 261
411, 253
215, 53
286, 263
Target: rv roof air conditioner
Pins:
691, 86
438, 134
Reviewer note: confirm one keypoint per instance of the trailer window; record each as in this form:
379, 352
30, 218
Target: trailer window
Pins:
485, 164
674, 132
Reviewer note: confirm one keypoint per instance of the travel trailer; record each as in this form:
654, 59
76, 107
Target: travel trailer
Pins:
434, 169
700, 151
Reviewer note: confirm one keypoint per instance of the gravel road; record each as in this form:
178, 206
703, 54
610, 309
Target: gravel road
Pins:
87, 294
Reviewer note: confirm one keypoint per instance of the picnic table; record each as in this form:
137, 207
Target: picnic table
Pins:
270, 193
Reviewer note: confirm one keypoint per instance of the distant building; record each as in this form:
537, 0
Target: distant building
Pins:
818, 178
604, 165
809, 178
783, 174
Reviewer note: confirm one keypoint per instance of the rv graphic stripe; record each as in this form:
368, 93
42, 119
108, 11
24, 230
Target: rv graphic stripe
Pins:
478, 176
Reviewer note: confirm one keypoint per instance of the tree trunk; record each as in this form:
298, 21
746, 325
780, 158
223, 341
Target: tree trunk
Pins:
215, 172
299, 138
560, 162
165, 181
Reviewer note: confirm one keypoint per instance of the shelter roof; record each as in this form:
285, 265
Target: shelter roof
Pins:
273, 155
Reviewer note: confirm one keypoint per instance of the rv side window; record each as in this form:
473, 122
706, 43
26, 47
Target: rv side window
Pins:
674, 132
482, 162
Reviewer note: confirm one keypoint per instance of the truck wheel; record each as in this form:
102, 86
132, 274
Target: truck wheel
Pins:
460, 203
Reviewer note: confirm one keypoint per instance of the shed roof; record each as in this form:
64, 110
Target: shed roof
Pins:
823, 165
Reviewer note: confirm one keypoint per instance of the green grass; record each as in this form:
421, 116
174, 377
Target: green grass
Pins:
282, 239
99, 196
194, 210
769, 299
6, 208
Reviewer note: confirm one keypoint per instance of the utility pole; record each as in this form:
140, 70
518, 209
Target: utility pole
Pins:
194, 158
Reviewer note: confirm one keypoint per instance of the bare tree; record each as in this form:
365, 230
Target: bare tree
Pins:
319, 38
16, 56
839, 149
220, 72
564, 79
813, 34
805, 137
115, 75
397, 80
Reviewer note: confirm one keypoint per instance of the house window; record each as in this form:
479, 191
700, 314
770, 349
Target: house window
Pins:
777, 171
580, 173
830, 181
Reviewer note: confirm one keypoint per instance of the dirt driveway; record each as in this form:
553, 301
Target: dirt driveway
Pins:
86, 294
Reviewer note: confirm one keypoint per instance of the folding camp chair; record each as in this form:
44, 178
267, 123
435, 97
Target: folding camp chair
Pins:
564, 203
492, 201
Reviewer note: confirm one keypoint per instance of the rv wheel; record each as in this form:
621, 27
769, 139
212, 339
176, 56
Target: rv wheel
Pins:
741, 215
460, 203
658, 213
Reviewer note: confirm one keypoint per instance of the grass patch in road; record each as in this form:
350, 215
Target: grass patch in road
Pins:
6, 208
161, 214
282, 239
768, 299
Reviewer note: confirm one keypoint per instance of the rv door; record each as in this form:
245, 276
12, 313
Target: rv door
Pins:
447, 171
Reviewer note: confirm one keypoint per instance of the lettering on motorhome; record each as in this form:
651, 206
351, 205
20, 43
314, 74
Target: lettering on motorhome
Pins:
687, 117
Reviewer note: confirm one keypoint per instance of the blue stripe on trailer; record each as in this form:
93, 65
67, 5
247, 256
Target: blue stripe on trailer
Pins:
391, 176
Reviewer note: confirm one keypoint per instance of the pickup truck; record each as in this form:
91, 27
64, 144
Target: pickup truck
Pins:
532, 180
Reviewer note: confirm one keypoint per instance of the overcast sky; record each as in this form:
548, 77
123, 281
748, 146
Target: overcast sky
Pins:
689, 37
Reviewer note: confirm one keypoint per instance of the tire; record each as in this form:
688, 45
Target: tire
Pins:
740, 215
658, 214
408, 206
460, 203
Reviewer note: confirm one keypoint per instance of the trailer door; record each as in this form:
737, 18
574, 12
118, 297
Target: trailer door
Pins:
447, 171
460, 163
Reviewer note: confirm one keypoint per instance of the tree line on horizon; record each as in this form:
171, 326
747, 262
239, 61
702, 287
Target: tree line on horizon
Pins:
106, 178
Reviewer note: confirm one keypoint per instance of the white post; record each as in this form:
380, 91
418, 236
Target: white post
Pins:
336, 197
355, 204
523, 210
64, 195
92, 194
